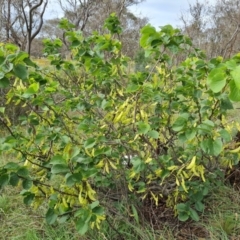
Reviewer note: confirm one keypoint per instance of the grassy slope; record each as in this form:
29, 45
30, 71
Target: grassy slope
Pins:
221, 220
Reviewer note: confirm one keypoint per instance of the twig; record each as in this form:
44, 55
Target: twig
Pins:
8, 128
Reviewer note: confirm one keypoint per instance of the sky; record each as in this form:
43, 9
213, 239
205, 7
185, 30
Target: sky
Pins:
159, 12
162, 12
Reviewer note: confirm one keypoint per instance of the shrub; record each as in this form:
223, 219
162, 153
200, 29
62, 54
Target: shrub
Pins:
108, 142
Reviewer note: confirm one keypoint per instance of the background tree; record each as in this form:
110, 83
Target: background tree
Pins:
11, 21
89, 16
50, 29
33, 12
214, 27
21, 21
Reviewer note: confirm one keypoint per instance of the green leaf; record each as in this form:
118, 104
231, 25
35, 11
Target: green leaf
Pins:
197, 196
226, 104
11, 166
75, 43
4, 82
146, 33
212, 147
173, 48
22, 56
58, 159
2, 75
183, 211
225, 135
20, 71
90, 143
85, 216
236, 76
82, 226
231, 64
112, 23
135, 213
51, 216
23, 172
74, 152
234, 92
205, 191
153, 134
131, 88
205, 145
60, 168
194, 215
190, 134
179, 124
182, 207
138, 164
7, 67
217, 79
11, 47
29, 198
2, 59
98, 210
94, 204
73, 178
14, 179
29, 62
66, 24
209, 123
199, 206
143, 127
26, 183
217, 147
31, 90
4, 179
183, 216
63, 218
206, 127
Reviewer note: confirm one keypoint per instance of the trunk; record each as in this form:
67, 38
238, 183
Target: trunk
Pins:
8, 25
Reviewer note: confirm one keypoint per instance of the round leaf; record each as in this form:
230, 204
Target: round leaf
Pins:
90, 143
20, 71
51, 217
217, 79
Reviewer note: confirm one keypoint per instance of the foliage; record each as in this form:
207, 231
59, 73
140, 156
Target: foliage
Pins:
141, 62
111, 142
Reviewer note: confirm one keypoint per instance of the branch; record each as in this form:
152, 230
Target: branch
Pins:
41, 22
232, 38
24, 15
7, 127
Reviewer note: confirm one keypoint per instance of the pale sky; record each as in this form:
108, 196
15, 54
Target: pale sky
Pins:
162, 12
159, 12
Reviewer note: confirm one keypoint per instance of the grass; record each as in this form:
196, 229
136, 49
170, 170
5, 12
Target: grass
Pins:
221, 220
19, 222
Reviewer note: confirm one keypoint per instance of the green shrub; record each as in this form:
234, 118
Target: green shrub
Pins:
118, 143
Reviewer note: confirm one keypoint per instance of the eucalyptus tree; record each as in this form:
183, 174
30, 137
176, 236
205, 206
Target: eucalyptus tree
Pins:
33, 12
21, 21
214, 27
89, 15
81, 12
